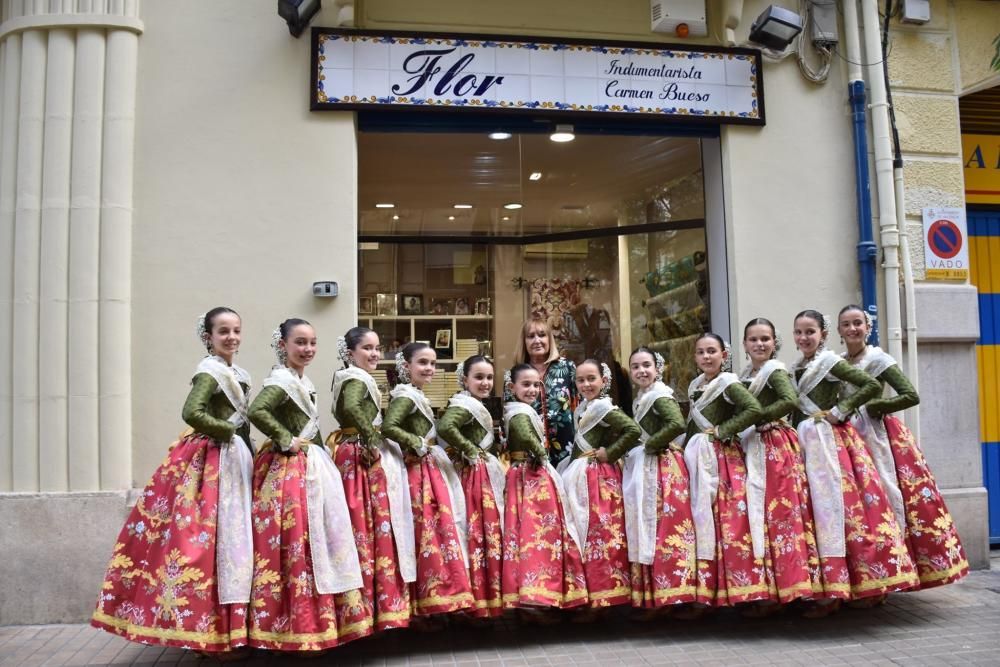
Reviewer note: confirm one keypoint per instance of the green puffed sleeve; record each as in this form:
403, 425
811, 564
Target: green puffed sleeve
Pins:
522, 436
906, 396
671, 421
786, 400
262, 415
868, 387
393, 424
450, 426
350, 411
621, 435
196, 412
748, 411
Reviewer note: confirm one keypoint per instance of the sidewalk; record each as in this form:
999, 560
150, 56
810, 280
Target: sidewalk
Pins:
952, 625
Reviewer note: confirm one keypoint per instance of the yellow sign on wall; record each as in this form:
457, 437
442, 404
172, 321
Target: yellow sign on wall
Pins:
981, 156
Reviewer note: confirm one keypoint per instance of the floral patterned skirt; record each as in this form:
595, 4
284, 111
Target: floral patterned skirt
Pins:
485, 541
286, 612
735, 576
442, 584
385, 592
791, 538
671, 578
605, 552
542, 565
931, 536
160, 587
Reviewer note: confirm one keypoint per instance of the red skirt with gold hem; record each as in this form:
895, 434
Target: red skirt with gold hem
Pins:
485, 541
385, 592
286, 612
735, 576
671, 578
542, 566
931, 536
605, 552
160, 587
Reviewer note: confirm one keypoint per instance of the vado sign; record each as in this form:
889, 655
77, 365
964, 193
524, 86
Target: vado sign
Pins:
946, 250
356, 69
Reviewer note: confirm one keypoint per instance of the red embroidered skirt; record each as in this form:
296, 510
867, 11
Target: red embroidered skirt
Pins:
542, 565
286, 612
671, 578
160, 587
605, 553
485, 541
931, 536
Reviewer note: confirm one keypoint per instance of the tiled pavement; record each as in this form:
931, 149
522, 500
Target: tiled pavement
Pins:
952, 625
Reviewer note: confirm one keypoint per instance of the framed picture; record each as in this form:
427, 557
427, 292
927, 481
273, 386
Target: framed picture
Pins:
365, 305
412, 304
385, 304
462, 306
486, 348
482, 306
442, 306
442, 339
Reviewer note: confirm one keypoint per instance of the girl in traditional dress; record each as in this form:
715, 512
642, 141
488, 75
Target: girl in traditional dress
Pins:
593, 481
658, 519
731, 567
182, 567
777, 491
860, 545
436, 496
920, 510
466, 430
307, 574
542, 564
375, 483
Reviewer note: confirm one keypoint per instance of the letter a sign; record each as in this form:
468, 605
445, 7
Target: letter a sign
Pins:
946, 249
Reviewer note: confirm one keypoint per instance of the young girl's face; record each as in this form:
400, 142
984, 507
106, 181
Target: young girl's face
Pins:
527, 386
589, 381
642, 369
808, 335
422, 366
759, 343
479, 379
853, 327
365, 355
709, 356
300, 346
226, 335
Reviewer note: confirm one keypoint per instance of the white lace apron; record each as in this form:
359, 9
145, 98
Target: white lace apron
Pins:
234, 536
396, 480
875, 361
702, 464
819, 449
574, 471
640, 479
494, 469
429, 447
511, 410
336, 568
756, 457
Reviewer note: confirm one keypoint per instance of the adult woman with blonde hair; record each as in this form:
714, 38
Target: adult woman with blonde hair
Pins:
558, 398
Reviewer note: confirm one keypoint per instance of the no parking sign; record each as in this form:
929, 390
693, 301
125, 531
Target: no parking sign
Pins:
946, 248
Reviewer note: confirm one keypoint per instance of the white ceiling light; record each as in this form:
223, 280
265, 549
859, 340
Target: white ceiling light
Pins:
505, 218
385, 205
451, 217
499, 136
513, 206
535, 176
462, 206
562, 134
395, 217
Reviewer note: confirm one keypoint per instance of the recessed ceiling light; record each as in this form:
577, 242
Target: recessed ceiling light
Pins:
562, 134
513, 206
505, 218
451, 217
462, 206
535, 176
500, 136
395, 217
385, 205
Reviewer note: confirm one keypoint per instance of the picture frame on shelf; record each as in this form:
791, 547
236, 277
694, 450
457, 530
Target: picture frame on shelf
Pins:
486, 348
386, 304
366, 305
412, 304
462, 306
442, 307
442, 339
483, 306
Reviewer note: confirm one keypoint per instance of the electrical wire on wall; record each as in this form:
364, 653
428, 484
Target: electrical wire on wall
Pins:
817, 73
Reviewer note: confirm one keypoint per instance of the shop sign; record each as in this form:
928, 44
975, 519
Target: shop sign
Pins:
946, 248
981, 156
356, 69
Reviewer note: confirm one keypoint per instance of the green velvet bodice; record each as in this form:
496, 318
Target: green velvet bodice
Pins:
460, 429
663, 423
906, 396
827, 394
405, 424
356, 409
617, 433
778, 398
730, 416
278, 417
207, 410
521, 437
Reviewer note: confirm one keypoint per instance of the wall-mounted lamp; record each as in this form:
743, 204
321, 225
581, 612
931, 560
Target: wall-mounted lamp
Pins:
562, 134
776, 27
298, 13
